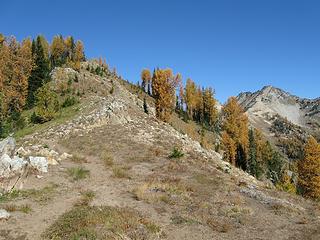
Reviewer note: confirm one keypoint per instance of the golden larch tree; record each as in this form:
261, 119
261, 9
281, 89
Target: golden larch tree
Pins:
309, 169
235, 124
57, 51
230, 148
78, 55
16, 63
164, 84
190, 97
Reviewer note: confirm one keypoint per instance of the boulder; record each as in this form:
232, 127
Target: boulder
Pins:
11, 166
5, 165
4, 214
39, 163
7, 146
18, 164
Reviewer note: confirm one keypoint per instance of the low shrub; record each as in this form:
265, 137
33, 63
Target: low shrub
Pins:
176, 153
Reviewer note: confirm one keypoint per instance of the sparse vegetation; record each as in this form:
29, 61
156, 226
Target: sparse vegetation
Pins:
176, 153
166, 191
107, 159
120, 172
84, 222
17, 208
78, 158
69, 101
78, 173
86, 198
41, 196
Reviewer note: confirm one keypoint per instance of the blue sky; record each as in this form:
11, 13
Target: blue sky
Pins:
231, 45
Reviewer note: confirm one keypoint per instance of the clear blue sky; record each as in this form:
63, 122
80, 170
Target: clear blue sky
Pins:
231, 45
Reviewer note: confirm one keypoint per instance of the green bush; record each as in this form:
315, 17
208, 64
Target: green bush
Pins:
47, 105
286, 185
69, 101
176, 153
12, 123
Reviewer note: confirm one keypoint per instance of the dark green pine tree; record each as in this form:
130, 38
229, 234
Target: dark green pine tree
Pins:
275, 166
145, 106
40, 74
252, 154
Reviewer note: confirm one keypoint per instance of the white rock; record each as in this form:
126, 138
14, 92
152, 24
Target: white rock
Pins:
11, 166
5, 165
22, 152
4, 214
65, 156
17, 164
39, 163
7, 146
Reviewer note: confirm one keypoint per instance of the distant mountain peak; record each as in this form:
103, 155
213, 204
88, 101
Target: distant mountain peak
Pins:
271, 101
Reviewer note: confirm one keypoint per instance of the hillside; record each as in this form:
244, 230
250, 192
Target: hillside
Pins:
113, 174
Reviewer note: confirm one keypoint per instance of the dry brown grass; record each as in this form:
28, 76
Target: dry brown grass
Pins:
107, 159
86, 198
120, 172
167, 191
26, 208
78, 159
85, 222
78, 173
219, 225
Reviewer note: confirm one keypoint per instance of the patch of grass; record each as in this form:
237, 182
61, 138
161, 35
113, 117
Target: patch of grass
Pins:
219, 226
39, 195
6, 197
78, 173
85, 222
45, 146
205, 179
167, 192
17, 208
25, 208
237, 211
176, 153
120, 172
178, 220
86, 198
65, 115
78, 159
107, 159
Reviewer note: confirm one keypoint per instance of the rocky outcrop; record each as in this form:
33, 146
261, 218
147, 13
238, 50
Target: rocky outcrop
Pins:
4, 215
16, 164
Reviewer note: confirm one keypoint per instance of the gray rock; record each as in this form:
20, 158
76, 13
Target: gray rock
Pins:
11, 166
18, 164
5, 165
39, 163
7, 146
4, 214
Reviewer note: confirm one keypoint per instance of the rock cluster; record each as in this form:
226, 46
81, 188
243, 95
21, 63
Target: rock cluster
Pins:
14, 165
